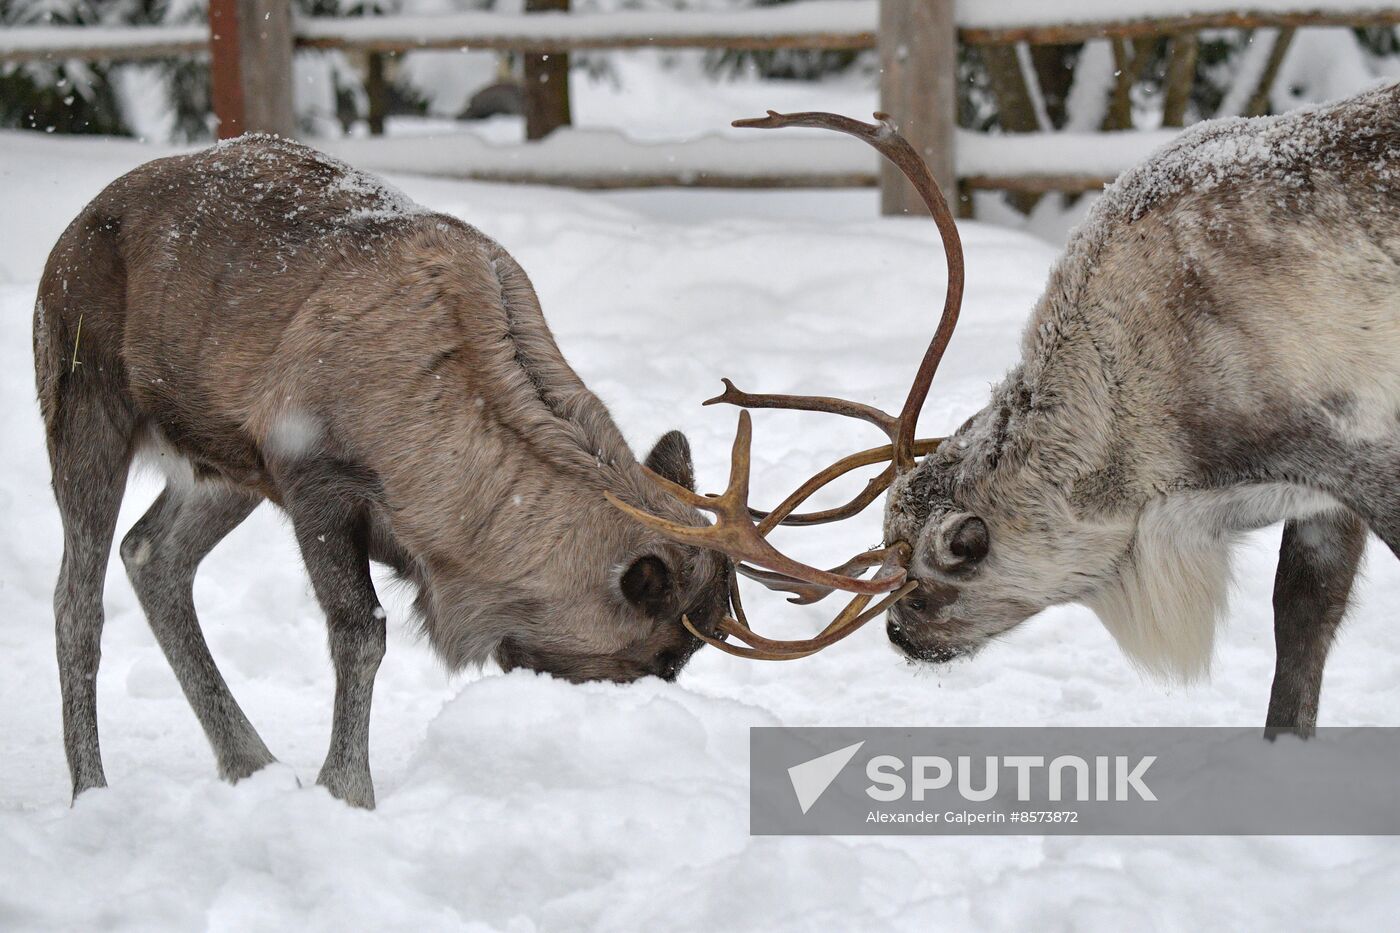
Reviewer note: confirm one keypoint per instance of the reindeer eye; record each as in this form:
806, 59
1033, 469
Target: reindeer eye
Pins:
917, 604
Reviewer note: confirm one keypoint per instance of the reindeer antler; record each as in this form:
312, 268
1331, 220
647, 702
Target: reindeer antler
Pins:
735, 532
886, 140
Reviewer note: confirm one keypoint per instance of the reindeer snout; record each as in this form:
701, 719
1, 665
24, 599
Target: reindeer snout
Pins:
898, 637
667, 664
918, 643
919, 625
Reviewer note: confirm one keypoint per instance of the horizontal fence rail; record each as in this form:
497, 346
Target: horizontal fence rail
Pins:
818, 24
602, 159
983, 162
815, 24
1144, 27
21, 44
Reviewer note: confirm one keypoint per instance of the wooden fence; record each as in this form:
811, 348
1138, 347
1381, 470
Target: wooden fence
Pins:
251, 43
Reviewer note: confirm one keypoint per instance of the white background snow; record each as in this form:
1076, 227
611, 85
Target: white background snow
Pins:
521, 803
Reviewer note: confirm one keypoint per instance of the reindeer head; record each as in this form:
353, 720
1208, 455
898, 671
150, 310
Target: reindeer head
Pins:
623, 622
995, 534
600, 599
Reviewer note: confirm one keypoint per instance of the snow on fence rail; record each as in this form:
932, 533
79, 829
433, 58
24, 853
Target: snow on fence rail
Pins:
836, 24
1059, 33
252, 42
813, 24
604, 159
1004, 19
19, 44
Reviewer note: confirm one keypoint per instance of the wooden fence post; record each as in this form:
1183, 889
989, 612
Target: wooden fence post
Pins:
1182, 51
376, 92
250, 49
918, 88
546, 91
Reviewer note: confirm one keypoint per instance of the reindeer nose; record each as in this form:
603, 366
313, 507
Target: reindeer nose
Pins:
899, 637
668, 663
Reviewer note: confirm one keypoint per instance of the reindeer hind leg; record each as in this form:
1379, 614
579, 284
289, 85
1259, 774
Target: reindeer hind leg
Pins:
161, 553
90, 442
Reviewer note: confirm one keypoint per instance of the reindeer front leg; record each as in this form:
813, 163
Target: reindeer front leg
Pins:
333, 533
1316, 568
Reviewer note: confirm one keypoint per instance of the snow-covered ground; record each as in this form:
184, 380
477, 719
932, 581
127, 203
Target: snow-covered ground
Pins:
521, 803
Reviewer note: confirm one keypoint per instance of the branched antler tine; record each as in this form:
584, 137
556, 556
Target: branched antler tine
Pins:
807, 593
741, 651
767, 649
804, 593
838, 469
918, 174
734, 533
740, 462
736, 626
894, 147
688, 496
764, 554
878, 484
852, 611
816, 119
732, 395
892, 560
735, 602
837, 631
782, 514
843, 618
731, 539
742, 540
700, 536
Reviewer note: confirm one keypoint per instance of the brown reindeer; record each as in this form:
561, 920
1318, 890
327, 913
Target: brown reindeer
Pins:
267, 323
1218, 350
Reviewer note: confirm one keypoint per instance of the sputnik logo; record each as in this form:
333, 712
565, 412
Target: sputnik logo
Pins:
811, 778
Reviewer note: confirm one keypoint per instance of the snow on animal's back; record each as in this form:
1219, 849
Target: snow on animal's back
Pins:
1285, 151
1278, 154
318, 191
1276, 239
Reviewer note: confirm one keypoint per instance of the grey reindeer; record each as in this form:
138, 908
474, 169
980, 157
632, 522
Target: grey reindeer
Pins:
266, 323
1218, 350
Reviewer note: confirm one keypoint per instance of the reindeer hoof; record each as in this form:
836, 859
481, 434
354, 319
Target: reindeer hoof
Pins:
236, 769
356, 789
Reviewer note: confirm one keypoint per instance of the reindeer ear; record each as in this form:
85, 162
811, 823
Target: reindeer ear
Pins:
969, 540
671, 458
957, 543
647, 583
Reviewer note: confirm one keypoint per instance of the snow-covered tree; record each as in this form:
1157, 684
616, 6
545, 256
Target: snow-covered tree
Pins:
57, 97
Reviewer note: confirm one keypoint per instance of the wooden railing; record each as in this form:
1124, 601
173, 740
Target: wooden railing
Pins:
813, 24
1155, 26
21, 44
252, 42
